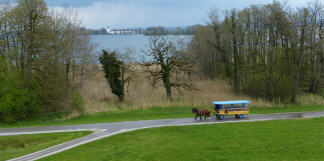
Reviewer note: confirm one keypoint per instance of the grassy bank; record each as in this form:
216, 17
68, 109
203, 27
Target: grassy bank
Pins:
300, 139
144, 114
18, 145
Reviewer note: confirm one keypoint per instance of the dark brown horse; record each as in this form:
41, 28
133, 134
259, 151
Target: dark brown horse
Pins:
201, 112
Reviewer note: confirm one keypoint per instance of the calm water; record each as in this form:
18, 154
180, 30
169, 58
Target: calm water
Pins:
137, 43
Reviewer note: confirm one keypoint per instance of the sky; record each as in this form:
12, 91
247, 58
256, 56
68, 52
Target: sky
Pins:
96, 14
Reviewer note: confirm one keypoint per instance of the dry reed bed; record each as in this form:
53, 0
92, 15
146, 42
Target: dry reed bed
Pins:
140, 94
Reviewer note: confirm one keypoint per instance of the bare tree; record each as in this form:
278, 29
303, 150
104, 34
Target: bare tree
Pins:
127, 67
167, 64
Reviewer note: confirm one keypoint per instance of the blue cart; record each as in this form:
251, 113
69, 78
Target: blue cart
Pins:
227, 108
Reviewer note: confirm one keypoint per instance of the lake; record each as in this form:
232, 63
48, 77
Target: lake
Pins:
136, 43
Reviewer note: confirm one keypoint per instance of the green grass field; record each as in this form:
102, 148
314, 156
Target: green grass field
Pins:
294, 139
144, 114
18, 145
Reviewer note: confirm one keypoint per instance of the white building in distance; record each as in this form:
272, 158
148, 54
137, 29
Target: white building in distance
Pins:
120, 31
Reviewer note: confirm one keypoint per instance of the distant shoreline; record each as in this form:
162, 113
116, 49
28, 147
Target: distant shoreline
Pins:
146, 34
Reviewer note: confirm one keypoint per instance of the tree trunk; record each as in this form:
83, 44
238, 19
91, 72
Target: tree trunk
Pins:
299, 61
121, 98
235, 52
168, 92
67, 69
81, 75
313, 86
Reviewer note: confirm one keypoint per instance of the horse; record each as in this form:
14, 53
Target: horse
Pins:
201, 112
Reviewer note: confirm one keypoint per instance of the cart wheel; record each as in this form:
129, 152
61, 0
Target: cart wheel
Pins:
241, 116
221, 117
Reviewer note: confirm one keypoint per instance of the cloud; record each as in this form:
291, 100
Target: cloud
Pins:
143, 13
132, 14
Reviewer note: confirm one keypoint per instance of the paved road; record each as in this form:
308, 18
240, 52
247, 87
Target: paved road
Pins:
102, 130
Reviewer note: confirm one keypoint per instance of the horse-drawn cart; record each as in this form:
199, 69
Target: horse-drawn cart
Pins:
226, 108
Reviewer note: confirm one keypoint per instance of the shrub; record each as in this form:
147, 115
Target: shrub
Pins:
77, 101
16, 102
281, 89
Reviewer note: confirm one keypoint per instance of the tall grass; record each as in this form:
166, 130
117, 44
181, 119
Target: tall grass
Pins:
139, 94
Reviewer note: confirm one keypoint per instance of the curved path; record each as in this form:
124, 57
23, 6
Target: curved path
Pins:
102, 130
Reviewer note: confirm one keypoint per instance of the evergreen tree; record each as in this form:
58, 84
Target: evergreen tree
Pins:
112, 69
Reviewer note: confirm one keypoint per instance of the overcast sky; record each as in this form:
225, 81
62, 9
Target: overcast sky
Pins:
143, 13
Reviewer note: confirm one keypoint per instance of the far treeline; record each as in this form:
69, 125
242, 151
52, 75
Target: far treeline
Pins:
153, 30
270, 51
41, 54
160, 30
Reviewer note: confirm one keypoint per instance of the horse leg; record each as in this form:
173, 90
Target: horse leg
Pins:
196, 117
200, 117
